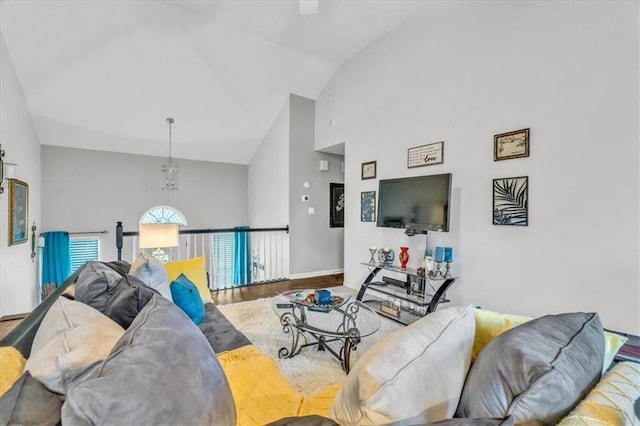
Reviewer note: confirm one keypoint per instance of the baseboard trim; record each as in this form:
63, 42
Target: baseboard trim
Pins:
315, 274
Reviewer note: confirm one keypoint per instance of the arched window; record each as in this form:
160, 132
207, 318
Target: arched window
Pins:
164, 214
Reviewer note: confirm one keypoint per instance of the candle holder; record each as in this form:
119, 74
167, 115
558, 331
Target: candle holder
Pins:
439, 260
448, 258
437, 273
447, 274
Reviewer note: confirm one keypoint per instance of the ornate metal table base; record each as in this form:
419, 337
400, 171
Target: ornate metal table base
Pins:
294, 322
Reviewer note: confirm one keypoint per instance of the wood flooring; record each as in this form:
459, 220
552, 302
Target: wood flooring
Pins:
234, 295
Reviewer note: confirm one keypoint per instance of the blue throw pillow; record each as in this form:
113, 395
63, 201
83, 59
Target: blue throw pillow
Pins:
185, 294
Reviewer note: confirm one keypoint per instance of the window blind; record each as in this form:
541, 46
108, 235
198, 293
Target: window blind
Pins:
223, 259
82, 250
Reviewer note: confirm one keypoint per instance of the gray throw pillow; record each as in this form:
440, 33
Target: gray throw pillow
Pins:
536, 372
152, 272
29, 402
94, 283
127, 299
162, 371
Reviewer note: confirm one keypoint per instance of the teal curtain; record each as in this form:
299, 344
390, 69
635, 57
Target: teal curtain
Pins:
241, 257
56, 265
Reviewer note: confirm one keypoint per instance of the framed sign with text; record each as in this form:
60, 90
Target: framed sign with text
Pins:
425, 155
511, 145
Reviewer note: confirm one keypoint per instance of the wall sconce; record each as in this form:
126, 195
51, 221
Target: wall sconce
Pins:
6, 170
324, 165
158, 235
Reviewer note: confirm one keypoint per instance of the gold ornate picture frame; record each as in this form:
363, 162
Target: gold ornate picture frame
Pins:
511, 145
18, 211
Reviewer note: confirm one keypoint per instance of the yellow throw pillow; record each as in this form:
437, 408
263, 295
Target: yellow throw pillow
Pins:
490, 324
11, 367
196, 270
610, 402
612, 344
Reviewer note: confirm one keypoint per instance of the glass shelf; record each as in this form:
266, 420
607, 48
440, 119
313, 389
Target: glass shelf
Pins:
416, 295
408, 271
419, 298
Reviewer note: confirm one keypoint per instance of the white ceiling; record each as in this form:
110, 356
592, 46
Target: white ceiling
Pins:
104, 74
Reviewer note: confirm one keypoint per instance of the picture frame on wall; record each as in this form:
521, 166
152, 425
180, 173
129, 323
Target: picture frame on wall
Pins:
18, 211
368, 206
511, 145
511, 201
368, 170
425, 155
336, 205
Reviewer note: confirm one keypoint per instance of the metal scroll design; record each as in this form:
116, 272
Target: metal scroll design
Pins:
289, 324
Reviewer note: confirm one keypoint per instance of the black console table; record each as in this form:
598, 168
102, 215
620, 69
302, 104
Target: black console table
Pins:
419, 295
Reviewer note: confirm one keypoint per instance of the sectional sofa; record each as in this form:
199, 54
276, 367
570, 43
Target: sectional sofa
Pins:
113, 346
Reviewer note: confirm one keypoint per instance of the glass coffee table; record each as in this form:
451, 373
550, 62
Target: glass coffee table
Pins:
345, 320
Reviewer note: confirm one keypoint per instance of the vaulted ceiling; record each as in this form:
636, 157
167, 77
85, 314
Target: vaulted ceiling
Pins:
105, 74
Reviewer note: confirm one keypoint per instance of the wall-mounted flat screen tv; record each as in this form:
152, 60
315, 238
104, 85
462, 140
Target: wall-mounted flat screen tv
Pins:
420, 203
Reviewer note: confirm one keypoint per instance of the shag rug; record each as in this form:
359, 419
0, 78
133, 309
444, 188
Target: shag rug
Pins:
311, 369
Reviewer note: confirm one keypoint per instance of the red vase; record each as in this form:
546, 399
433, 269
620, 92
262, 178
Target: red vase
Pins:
404, 257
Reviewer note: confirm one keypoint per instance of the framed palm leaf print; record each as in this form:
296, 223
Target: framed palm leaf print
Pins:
511, 201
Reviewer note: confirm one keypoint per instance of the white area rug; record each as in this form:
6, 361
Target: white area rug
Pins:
308, 371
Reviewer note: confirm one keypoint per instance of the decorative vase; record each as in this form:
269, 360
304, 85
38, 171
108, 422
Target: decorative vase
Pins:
404, 257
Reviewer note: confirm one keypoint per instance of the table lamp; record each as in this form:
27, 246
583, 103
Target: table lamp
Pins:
158, 235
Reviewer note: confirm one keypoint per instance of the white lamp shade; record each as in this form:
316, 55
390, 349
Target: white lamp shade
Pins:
155, 235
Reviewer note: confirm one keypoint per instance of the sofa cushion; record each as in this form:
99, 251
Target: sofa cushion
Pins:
220, 332
475, 422
414, 375
536, 372
162, 371
11, 367
186, 296
196, 270
129, 296
151, 271
94, 283
490, 324
72, 336
29, 402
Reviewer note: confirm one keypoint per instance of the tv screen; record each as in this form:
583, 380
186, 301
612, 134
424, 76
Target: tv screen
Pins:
420, 202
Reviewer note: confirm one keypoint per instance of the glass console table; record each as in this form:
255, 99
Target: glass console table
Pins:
417, 296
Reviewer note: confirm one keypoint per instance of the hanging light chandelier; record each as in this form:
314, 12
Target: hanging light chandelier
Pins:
170, 169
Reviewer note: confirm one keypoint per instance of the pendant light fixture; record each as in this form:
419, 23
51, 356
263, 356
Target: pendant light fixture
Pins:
170, 169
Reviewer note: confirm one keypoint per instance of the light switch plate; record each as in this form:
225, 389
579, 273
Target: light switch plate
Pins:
311, 210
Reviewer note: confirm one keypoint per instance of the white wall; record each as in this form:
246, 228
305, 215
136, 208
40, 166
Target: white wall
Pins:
316, 248
269, 176
567, 70
18, 274
87, 190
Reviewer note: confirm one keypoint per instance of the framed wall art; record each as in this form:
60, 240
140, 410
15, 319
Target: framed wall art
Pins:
18, 211
368, 206
336, 208
511, 145
368, 170
511, 201
425, 155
